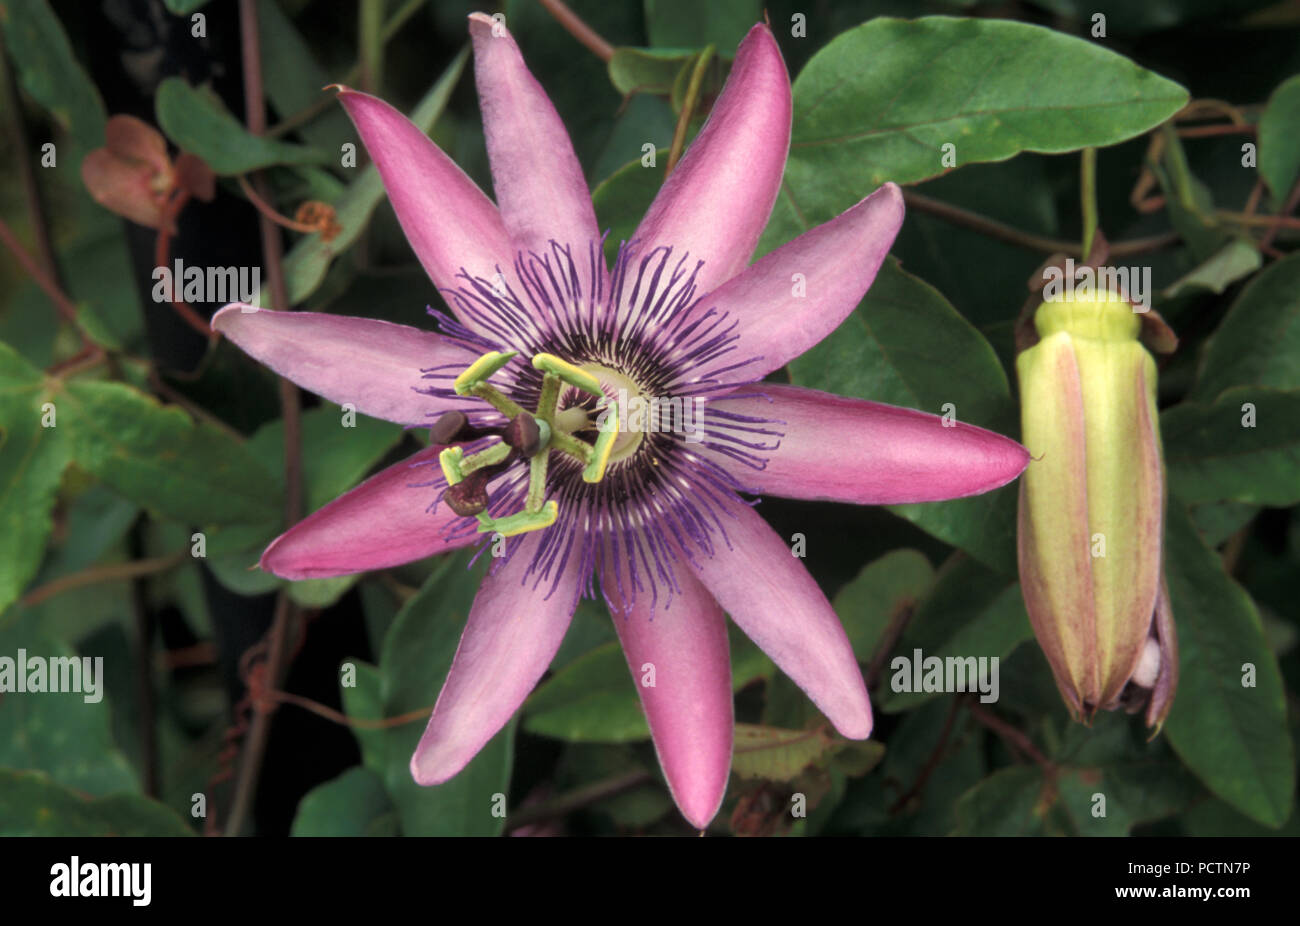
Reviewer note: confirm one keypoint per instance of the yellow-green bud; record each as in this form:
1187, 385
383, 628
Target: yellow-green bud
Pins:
1092, 509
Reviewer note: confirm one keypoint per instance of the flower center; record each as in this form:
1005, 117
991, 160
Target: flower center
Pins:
529, 435
644, 459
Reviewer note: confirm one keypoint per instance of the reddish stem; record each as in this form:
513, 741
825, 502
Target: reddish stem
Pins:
162, 255
574, 25
62, 303
286, 614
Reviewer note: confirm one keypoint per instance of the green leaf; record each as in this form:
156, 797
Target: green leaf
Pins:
934, 729
883, 592
310, 257
879, 102
233, 553
690, 24
622, 199
906, 345
363, 700
94, 263
321, 593
1232, 737
79, 616
161, 459
775, 754
786, 705
1029, 801
1077, 801
646, 70
49, 71
60, 733
971, 612
1140, 780
1215, 818
32, 461
983, 526
353, 804
1010, 802
1151, 788
197, 122
748, 662
644, 120
857, 757
183, 7
99, 277
417, 653
1258, 341
1279, 138
294, 80
1189, 201
950, 257
32, 805
1217, 521
1235, 261
1212, 454
590, 628
95, 521
639, 807
582, 766
335, 458
593, 699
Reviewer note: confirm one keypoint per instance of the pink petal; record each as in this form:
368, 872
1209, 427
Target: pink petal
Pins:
383, 522
535, 174
717, 200
851, 450
373, 365
448, 220
689, 708
780, 315
512, 634
770, 595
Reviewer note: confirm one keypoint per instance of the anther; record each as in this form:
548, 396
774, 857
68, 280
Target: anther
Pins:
527, 435
524, 433
469, 497
482, 368
449, 428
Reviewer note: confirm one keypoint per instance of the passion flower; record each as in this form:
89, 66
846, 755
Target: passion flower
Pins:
531, 390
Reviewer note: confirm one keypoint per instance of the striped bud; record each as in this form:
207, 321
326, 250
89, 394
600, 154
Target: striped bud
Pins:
1091, 523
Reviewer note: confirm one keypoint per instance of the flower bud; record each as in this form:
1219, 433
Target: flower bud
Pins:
1092, 501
